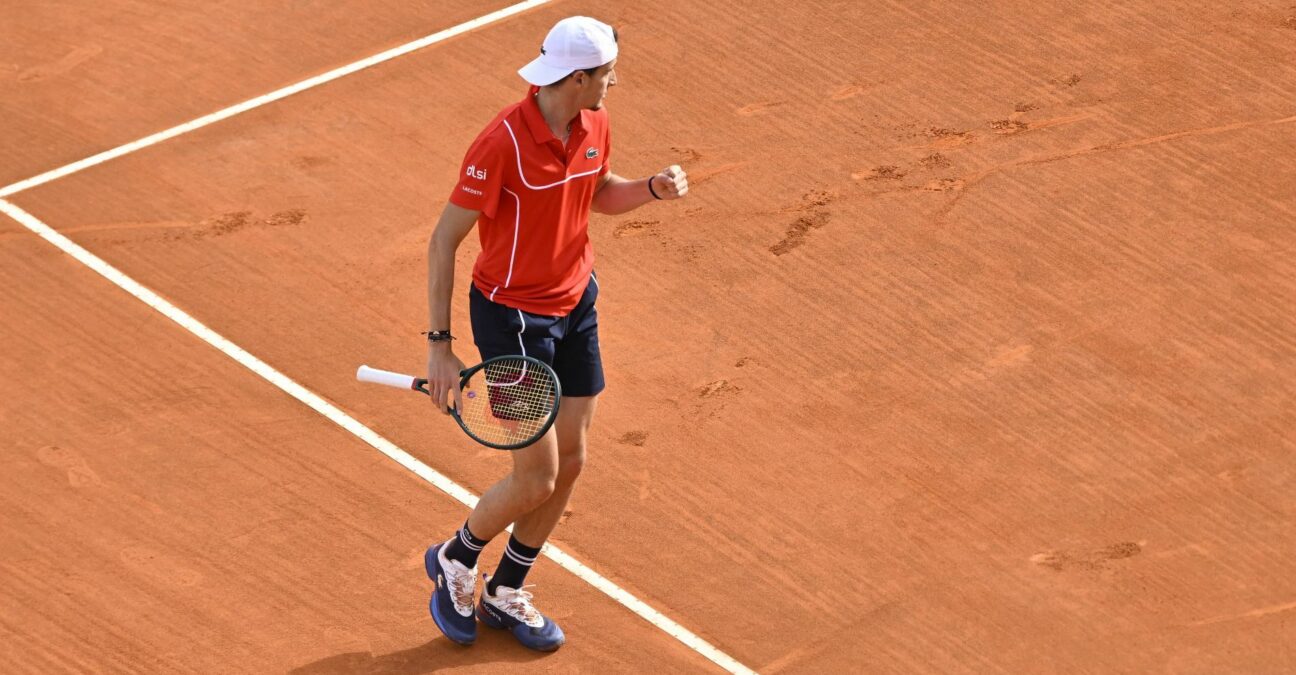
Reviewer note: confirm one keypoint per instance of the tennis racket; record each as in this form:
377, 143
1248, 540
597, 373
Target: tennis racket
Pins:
509, 402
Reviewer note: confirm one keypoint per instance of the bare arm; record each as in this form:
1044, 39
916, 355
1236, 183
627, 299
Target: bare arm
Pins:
616, 195
443, 366
455, 224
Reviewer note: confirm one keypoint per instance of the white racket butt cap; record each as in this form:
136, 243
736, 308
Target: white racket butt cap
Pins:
385, 377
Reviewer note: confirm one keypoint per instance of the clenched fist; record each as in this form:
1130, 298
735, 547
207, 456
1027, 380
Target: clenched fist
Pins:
671, 183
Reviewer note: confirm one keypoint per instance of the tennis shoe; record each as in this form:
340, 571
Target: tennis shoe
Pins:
511, 609
451, 604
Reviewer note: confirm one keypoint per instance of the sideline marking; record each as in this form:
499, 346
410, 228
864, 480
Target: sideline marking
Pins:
270, 98
364, 433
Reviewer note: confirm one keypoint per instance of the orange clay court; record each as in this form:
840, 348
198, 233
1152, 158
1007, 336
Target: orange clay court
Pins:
972, 348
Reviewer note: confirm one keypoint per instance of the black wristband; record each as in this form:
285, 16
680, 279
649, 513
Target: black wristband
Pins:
439, 336
651, 190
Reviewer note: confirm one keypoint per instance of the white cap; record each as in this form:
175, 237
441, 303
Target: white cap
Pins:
575, 43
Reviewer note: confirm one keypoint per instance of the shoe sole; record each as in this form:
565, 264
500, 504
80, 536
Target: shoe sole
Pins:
493, 623
429, 566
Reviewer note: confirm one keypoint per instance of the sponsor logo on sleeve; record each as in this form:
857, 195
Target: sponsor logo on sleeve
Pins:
474, 172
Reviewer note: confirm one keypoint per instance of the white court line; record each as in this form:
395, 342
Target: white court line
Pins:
269, 98
361, 431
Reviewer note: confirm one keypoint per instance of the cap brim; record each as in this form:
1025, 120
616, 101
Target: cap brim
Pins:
541, 74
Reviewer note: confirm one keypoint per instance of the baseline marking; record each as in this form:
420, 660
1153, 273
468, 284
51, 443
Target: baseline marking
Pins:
269, 98
364, 433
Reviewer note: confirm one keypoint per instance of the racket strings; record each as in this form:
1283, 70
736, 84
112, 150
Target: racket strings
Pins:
509, 401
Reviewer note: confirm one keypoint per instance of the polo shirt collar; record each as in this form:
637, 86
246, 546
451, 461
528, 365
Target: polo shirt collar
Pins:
535, 120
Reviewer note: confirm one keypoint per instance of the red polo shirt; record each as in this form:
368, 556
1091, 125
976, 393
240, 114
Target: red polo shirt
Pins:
534, 195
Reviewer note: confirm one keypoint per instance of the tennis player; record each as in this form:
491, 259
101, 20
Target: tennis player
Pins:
530, 180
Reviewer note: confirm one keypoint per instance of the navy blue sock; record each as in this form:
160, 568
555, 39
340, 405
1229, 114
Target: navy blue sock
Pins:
465, 547
514, 565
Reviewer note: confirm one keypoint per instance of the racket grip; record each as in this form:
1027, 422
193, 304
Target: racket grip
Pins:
387, 378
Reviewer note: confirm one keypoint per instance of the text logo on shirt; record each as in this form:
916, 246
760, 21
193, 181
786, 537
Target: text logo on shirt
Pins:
474, 172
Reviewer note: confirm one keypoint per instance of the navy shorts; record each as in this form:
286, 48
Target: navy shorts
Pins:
569, 344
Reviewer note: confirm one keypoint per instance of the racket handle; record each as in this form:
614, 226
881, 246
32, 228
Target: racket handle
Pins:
388, 378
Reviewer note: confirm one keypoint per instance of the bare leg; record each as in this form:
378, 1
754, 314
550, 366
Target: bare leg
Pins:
534, 495
574, 419
530, 484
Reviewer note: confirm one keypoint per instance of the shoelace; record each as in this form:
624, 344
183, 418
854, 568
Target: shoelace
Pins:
518, 603
461, 590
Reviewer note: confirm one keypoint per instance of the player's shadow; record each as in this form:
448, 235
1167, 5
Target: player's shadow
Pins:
492, 647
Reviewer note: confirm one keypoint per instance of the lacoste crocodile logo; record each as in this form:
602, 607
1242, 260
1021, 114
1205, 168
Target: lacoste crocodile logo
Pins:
591, 153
